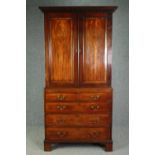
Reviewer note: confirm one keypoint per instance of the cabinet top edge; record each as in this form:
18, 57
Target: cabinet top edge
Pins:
110, 9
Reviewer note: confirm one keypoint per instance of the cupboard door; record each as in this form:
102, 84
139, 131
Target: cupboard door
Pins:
93, 50
62, 52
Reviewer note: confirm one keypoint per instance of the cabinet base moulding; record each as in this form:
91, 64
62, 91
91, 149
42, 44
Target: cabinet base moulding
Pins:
107, 145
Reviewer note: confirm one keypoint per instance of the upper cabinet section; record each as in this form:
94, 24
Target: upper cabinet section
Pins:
78, 46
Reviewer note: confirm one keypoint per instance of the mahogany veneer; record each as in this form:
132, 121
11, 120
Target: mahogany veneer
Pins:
78, 62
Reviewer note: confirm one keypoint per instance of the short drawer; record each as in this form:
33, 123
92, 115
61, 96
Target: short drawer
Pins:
60, 97
87, 120
78, 134
79, 107
106, 97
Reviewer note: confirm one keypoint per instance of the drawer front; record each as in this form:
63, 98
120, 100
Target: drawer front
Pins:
106, 97
81, 107
88, 120
78, 134
60, 97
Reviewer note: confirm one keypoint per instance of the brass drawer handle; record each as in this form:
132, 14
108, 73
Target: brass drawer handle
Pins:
95, 97
60, 97
61, 107
94, 107
61, 133
95, 134
60, 121
95, 121
97, 106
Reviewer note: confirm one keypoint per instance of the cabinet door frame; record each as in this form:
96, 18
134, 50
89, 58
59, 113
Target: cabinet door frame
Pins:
108, 48
48, 51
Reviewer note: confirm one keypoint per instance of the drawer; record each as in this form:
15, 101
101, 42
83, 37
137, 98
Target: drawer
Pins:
60, 97
88, 120
78, 134
81, 107
106, 97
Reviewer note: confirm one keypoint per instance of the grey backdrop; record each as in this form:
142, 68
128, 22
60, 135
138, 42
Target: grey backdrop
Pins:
35, 57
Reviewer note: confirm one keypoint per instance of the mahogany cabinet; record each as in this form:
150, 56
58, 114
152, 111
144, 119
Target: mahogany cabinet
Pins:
78, 63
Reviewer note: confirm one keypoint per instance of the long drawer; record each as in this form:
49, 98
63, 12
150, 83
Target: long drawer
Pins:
81, 120
77, 134
106, 96
79, 107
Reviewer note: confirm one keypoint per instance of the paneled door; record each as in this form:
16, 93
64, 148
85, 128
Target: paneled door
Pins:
93, 50
61, 49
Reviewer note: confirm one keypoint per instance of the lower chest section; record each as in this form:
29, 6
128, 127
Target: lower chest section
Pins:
78, 116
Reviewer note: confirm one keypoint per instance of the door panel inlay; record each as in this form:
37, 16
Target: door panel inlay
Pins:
94, 50
62, 52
